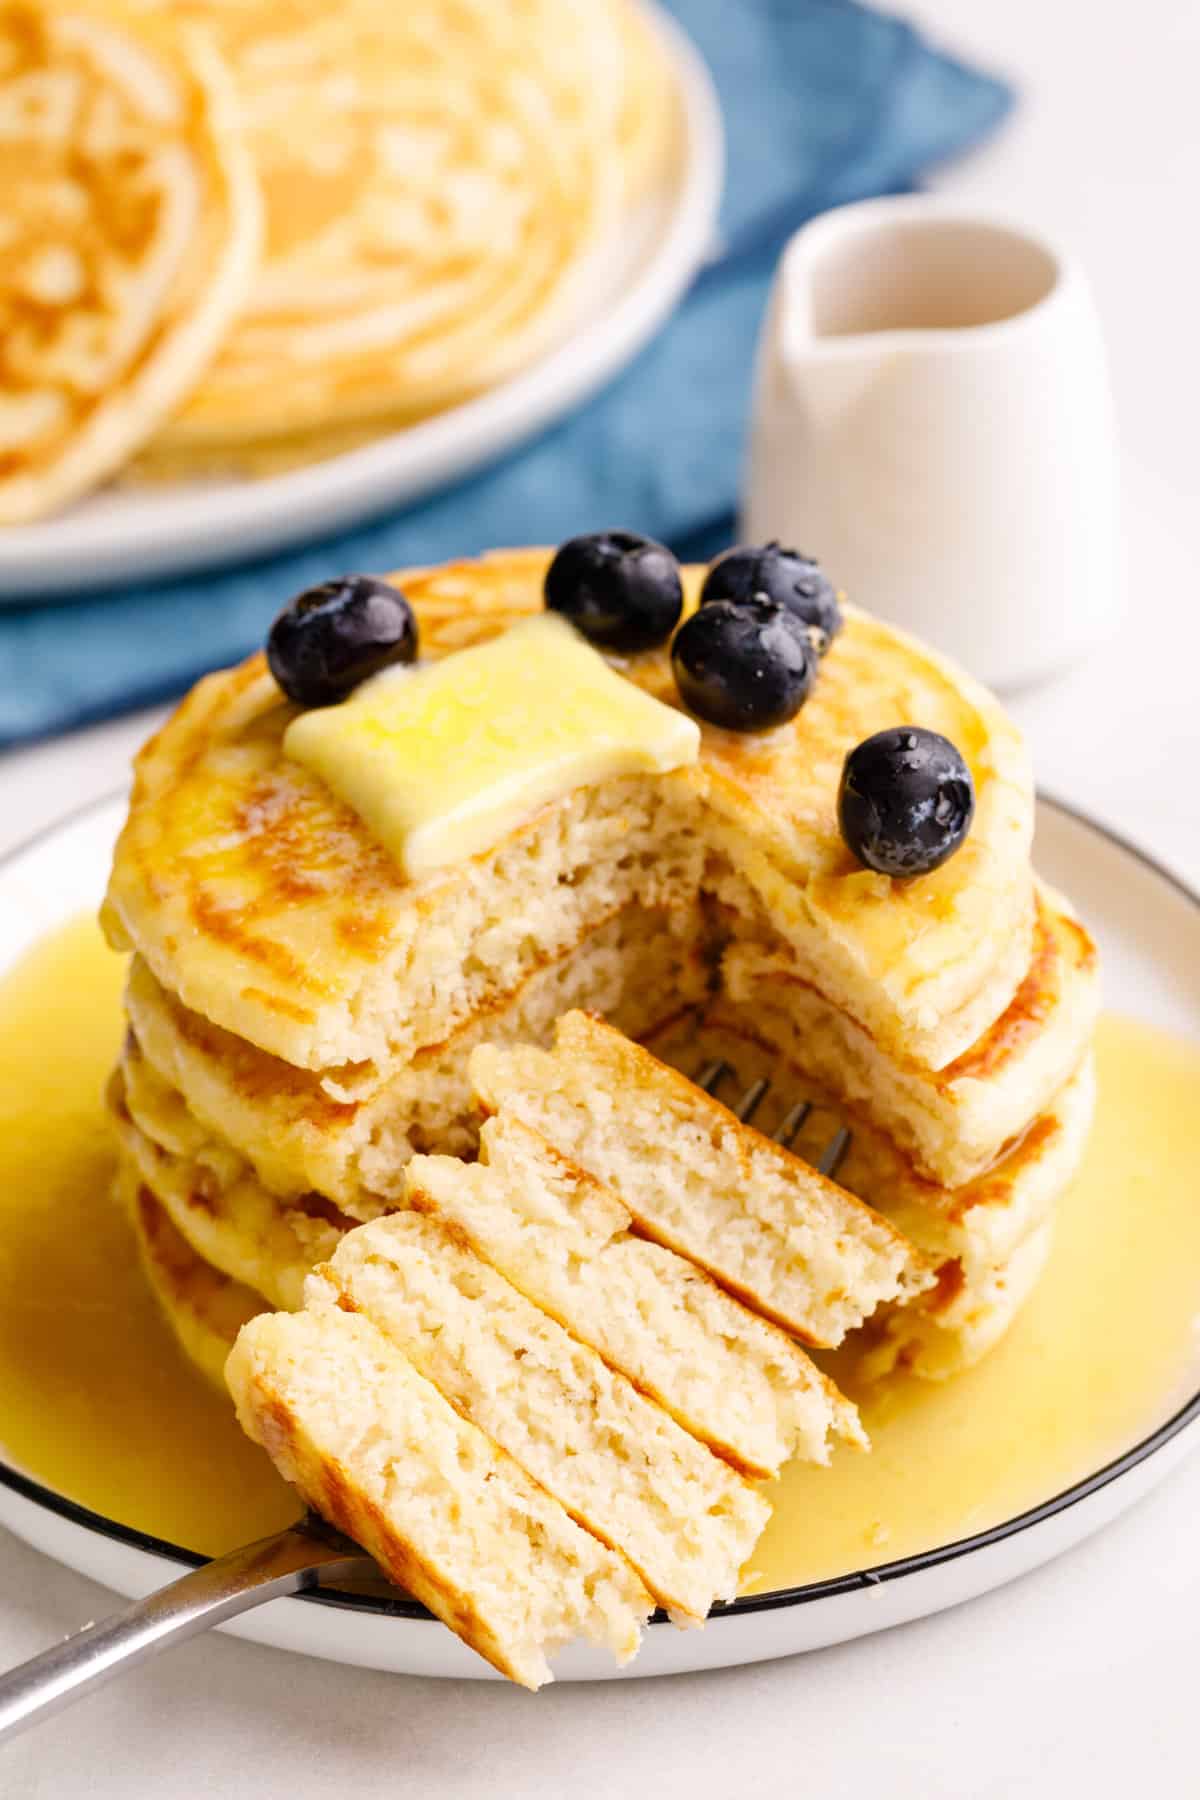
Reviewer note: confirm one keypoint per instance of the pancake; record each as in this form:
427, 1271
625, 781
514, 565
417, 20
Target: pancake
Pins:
643, 972
430, 228
129, 217
982, 1223
640, 969
305, 1020
618, 1463
242, 237
646, 1310
223, 1212
977, 1225
265, 905
648, 123
448, 1516
943, 1336
954, 1122
735, 1381
160, 464
271, 1243
988, 1239
204, 1308
793, 1245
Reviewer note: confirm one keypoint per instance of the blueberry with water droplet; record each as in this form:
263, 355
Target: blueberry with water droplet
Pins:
744, 665
906, 801
786, 576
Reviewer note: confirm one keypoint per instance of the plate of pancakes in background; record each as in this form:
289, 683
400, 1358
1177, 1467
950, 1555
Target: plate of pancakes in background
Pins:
274, 267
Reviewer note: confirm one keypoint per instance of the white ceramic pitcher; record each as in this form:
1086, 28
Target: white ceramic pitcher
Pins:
933, 423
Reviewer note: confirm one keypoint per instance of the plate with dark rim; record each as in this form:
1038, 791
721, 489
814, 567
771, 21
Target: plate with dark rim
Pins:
1148, 925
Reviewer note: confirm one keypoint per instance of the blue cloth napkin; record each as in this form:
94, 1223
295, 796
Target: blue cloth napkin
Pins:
825, 102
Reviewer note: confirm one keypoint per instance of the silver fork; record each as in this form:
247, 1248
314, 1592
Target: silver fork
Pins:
287, 1563
714, 1072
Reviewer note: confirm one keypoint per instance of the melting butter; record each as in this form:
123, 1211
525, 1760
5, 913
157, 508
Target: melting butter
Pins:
442, 761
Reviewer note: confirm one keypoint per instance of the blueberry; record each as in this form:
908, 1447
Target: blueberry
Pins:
331, 637
795, 581
746, 665
906, 801
623, 592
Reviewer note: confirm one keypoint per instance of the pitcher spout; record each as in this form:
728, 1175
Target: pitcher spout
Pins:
931, 395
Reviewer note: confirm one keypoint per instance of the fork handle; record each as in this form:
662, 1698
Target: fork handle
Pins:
283, 1564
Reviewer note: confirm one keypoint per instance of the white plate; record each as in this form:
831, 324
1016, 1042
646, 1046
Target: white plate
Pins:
1149, 931
125, 535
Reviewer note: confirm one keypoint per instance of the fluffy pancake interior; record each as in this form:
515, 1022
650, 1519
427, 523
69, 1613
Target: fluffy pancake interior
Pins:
727, 1375
615, 1460
767, 1226
446, 1514
640, 968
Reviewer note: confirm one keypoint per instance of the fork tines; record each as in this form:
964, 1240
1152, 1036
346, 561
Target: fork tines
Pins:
714, 1073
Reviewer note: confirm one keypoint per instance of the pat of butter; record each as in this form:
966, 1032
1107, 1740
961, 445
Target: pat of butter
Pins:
442, 761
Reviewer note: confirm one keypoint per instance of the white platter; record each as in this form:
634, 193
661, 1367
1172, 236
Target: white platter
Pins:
1149, 930
128, 535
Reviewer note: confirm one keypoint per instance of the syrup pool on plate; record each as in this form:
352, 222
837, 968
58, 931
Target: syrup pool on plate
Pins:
97, 1402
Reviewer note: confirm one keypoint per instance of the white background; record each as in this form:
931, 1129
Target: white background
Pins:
1080, 1679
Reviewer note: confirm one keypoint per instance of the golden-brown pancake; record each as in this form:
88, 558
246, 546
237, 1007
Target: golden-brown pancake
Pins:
223, 1213
129, 232
265, 904
977, 1225
204, 1308
963, 1321
954, 1122
435, 178
640, 969
972, 1234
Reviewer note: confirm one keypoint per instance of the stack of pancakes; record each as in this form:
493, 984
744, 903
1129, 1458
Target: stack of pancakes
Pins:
243, 236
302, 1016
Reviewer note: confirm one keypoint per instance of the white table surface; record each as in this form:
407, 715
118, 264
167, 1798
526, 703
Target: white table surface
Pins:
1078, 1679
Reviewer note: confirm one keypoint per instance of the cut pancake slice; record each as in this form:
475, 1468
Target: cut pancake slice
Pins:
640, 968
726, 1375
952, 1123
565, 1240
796, 1246
618, 1464
450, 1517
204, 1308
977, 1236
